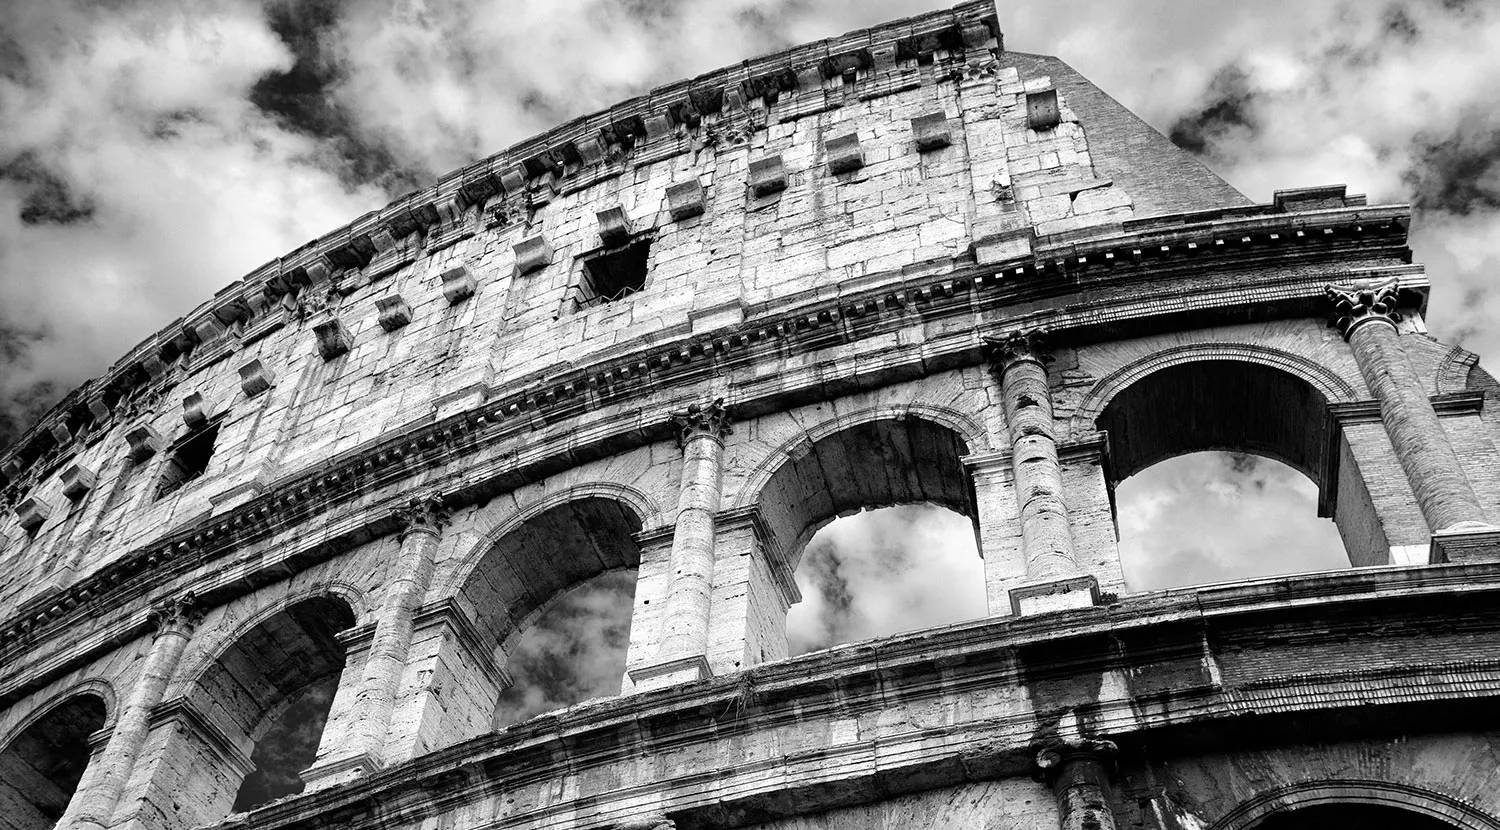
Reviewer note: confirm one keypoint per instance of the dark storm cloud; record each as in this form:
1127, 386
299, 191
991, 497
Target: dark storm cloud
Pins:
1458, 172
47, 199
289, 746
1229, 106
303, 97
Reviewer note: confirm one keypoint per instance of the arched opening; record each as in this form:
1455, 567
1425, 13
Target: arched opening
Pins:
878, 521
265, 701
1236, 476
1351, 817
552, 601
41, 767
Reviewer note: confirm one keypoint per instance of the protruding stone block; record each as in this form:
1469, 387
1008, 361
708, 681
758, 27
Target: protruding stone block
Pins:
767, 176
333, 337
60, 432
255, 378
458, 284
844, 153
685, 200
614, 225
33, 512
931, 131
533, 254
1042, 112
195, 410
97, 407
658, 126
77, 480
143, 440
393, 312
513, 181
1059, 595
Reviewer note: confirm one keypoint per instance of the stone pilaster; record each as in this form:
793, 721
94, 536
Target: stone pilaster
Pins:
1054, 578
1366, 313
1079, 774
94, 802
684, 622
374, 701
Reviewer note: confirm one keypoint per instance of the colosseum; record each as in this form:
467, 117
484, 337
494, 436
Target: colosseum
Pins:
673, 340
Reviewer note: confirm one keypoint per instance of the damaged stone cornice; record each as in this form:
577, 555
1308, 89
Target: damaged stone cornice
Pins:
550, 398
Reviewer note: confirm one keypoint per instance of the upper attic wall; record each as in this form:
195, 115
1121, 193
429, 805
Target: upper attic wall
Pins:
447, 298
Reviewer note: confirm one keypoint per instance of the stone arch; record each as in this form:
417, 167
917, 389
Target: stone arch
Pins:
102, 689
797, 494
975, 437
235, 696
1239, 398
210, 649
1327, 382
1257, 810
513, 574
43, 759
642, 505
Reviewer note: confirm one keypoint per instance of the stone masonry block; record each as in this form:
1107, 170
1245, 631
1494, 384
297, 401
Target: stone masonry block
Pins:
459, 284
77, 480
533, 254
60, 433
194, 410
614, 225
255, 378
143, 440
685, 200
333, 337
767, 176
33, 512
844, 153
393, 311
1042, 112
931, 131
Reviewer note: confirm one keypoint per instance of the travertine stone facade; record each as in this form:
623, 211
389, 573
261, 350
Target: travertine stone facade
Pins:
680, 336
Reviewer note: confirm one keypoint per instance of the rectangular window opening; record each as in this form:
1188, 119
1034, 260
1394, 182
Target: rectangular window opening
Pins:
615, 273
188, 460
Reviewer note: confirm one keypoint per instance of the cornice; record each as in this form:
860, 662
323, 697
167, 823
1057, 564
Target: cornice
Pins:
975, 292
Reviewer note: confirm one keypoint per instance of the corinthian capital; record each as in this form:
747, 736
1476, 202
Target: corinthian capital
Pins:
427, 514
1363, 302
176, 615
711, 420
1017, 346
1054, 755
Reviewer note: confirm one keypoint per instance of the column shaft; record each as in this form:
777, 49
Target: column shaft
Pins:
685, 623
1079, 773
1046, 534
94, 803
1437, 478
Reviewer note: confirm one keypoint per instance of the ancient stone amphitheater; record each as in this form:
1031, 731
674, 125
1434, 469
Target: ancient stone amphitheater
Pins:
903, 265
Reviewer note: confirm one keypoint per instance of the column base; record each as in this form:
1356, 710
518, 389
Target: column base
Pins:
1462, 545
671, 673
1058, 595
338, 771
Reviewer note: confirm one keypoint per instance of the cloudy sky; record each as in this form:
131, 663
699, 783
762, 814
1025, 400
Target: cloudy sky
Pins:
152, 151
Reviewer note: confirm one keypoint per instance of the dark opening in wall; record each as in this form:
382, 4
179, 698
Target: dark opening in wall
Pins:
614, 273
188, 459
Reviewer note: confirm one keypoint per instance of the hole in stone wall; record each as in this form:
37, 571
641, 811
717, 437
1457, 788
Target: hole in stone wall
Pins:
614, 274
41, 768
188, 460
574, 651
1217, 516
886, 571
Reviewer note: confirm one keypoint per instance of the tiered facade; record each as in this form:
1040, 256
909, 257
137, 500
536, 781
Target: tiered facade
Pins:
904, 265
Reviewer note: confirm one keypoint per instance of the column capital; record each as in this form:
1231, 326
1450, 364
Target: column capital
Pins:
1366, 301
1053, 756
711, 420
175, 615
426, 514
1022, 345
